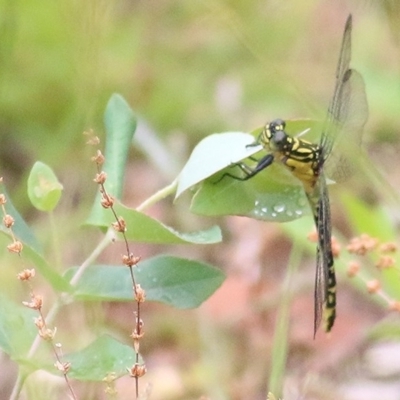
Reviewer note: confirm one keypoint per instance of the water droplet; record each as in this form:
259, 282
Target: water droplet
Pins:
289, 213
280, 207
273, 214
299, 212
264, 210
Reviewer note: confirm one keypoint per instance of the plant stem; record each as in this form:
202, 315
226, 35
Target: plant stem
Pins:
161, 194
281, 339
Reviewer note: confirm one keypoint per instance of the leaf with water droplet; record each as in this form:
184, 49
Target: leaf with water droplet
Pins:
272, 195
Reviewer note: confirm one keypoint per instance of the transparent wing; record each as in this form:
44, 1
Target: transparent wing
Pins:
353, 114
335, 110
346, 117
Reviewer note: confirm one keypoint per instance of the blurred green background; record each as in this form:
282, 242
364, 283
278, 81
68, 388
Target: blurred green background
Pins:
188, 69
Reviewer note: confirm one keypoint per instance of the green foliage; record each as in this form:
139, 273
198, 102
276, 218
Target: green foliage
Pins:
175, 281
120, 123
189, 68
16, 328
273, 195
105, 355
44, 189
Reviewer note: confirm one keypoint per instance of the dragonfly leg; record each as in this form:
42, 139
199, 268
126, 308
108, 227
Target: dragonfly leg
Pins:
249, 172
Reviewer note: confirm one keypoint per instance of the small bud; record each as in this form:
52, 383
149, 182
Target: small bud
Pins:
3, 199
120, 225
140, 294
100, 178
63, 367
137, 371
98, 158
385, 262
353, 269
362, 244
15, 247
107, 201
130, 260
8, 221
26, 274
388, 247
36, 302
373, 286
47, 334
137, 334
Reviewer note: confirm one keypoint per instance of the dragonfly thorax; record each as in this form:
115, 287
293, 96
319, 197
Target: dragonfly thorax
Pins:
301, 157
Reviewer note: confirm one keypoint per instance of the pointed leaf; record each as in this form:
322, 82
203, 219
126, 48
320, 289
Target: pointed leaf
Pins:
120, 123
175, 281
213, 154
142, 228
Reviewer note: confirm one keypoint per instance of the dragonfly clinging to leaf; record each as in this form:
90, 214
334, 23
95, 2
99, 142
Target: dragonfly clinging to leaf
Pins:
346, 117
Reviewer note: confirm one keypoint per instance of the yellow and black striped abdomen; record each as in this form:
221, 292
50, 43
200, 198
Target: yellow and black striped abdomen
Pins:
325, 280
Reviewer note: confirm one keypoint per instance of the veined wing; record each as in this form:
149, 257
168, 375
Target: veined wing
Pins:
337, 111
347, 113
352, 116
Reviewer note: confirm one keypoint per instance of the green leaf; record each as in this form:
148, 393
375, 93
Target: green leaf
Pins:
120, 123
44, 189
142, 228
273, 195
32, 249
178, 282
102, 357
365, 218
17, 328
20, 228
213, 154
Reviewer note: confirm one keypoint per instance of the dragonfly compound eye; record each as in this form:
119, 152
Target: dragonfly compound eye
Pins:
277, 125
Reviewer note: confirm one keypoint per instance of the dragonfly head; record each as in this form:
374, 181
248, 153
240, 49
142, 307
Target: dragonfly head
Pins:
274, 135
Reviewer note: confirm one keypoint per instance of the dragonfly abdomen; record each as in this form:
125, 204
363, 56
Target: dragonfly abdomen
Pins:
325, 288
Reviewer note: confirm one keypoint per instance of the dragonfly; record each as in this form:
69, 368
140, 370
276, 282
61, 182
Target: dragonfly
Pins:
346, 116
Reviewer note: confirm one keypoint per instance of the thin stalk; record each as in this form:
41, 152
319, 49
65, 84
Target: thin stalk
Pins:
161, 194
281, 337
